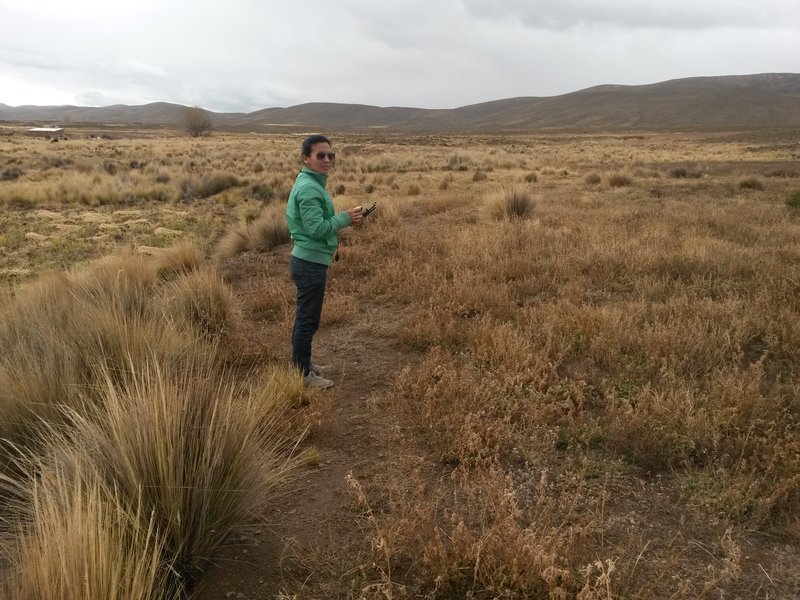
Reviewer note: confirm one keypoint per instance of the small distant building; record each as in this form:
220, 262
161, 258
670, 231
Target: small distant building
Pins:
50, 132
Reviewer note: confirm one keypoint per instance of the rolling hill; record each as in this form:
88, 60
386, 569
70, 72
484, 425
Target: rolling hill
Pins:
770, 100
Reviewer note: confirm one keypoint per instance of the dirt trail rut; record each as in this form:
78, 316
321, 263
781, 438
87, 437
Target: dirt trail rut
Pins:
353, 436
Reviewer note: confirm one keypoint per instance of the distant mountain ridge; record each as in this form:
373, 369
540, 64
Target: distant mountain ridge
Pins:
733, 101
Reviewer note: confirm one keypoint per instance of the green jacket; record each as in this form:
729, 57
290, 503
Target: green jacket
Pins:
312, 220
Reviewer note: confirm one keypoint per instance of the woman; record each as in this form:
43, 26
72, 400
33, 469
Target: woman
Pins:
314, 226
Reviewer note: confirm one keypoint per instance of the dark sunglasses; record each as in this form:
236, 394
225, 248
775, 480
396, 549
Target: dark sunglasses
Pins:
321, 155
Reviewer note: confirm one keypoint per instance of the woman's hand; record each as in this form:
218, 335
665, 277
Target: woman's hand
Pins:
355, 214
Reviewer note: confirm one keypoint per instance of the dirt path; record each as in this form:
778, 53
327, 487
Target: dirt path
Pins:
318, 514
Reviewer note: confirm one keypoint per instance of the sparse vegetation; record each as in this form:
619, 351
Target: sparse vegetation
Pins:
601, 401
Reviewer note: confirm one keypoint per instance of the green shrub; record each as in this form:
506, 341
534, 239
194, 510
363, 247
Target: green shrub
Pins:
793, 201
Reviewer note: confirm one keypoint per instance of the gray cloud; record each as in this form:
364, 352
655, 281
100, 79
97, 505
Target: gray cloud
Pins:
244, 55
672, 14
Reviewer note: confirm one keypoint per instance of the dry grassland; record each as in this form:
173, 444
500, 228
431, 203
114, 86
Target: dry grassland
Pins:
608, 384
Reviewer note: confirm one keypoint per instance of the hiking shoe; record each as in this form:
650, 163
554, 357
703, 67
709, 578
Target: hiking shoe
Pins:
313, 380
321, 369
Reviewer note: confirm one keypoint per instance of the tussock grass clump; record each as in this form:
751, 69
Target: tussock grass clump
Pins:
136, 452
196, 446
262, 192
266, 232
206, 186
685, 172
78, 538
124, 282
440, 204
457, 162
479, 175
387, 213
203, 298
515, 202
751, 183
592, 179
181, 258
10, 174
619, 180
60, 328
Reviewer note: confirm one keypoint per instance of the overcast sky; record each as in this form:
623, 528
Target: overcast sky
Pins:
243, 55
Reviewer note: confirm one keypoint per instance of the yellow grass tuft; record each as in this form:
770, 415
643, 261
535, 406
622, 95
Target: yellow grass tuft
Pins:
203, 299
181, 258
266, 232
515, 202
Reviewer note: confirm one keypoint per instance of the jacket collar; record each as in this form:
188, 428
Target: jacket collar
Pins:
318, 177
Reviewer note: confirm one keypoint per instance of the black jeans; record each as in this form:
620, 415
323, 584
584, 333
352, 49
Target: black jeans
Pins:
309, 278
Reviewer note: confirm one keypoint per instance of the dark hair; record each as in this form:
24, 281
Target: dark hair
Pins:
310, 141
